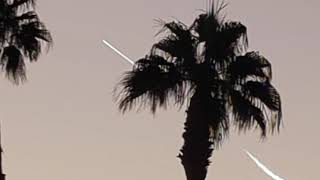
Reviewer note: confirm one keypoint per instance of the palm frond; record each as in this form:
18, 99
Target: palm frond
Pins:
267, 94
29, 39
246, 114
175, 27
13, 64
251, 64
179, 43
152, 82
154, 60
232, 37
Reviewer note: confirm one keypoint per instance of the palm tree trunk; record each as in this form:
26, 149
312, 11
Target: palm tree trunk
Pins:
197, 148
2, 176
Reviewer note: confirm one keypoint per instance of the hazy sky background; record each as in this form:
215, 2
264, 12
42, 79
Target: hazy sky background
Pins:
63, 123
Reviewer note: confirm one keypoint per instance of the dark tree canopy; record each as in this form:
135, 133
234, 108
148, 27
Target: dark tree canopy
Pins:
211, 55
22, 36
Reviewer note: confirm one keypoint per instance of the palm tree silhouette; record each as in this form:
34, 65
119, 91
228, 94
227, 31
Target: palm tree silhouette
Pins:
22, 36
208, 65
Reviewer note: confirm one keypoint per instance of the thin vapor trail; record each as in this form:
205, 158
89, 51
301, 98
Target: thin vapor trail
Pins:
118, 52
264, 168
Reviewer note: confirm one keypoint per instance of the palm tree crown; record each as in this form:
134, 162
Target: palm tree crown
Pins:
210, 55
208, 65
22, 35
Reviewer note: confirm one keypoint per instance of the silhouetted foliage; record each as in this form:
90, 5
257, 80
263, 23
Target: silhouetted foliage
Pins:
22, 36
207, 64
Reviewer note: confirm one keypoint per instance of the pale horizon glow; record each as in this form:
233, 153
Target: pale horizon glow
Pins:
118, 52
263, 167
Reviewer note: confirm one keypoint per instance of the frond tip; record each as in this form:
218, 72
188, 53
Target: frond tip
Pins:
12, 63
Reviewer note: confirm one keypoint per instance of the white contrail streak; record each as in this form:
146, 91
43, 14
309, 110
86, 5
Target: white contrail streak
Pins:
264, 168
118, 52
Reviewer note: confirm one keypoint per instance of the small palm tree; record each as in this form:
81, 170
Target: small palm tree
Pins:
208, 65
22, 35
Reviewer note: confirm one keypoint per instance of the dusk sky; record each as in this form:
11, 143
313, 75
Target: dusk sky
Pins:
63, 123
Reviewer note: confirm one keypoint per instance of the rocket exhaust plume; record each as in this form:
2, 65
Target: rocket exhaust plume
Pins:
118, 52
262, 167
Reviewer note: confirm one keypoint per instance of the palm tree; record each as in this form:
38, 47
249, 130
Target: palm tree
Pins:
206, 65
22, 36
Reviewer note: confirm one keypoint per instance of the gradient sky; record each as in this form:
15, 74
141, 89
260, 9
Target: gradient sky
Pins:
63, 123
